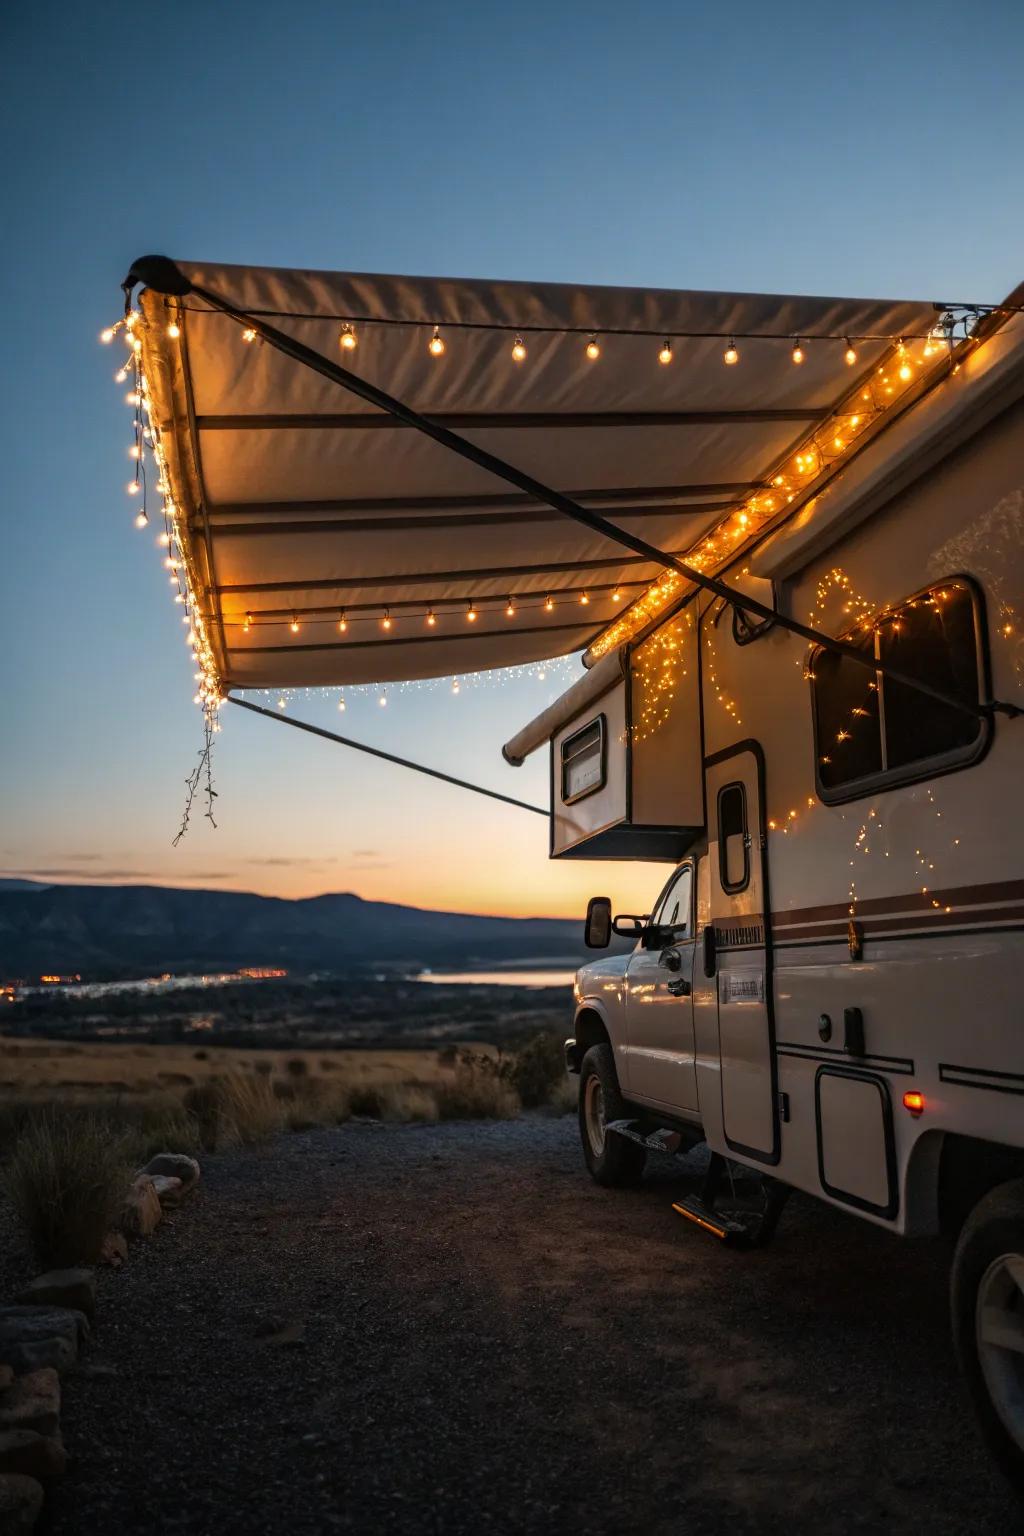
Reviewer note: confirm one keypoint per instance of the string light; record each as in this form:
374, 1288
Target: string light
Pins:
141, 520
431, 617
905, 370
518, 350
797, 353
133, 488
249, 334
593, 349
383, 700
174, 330
347, 339
850, 355
549, 606
616, 596
510, 610
471, 613
455, 685
731, 354
584, 598
435, 346
341, 705
342, 622
385, 622
665, 355
107, 335
294, 625
248, 624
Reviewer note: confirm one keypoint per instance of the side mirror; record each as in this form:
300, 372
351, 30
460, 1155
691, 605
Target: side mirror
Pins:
598, 930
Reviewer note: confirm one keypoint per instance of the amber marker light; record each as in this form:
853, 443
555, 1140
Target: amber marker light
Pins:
913, 1101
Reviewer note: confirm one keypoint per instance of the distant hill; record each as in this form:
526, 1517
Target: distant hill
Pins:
23, 885
124, 930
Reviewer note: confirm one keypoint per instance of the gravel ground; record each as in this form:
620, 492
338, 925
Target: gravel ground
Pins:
451, 1329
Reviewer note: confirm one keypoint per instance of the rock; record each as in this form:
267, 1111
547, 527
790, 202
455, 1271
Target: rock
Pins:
34, 1337
63, 1288
22, 1450
21, 1502
6, 1377
114, 1250
142, 1210
33, 1402
174, 1165
168, 1190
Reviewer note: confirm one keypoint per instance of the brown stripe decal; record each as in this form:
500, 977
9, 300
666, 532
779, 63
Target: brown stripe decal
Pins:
912, 901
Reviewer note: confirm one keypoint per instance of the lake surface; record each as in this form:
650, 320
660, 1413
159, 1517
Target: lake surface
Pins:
508, 978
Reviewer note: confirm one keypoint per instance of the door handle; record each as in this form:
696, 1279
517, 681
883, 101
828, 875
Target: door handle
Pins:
680, 987
671, 959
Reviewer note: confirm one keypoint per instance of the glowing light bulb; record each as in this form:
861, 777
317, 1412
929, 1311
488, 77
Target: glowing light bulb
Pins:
797, 353
135, 452
248, 334
164, 539
455, 686
510, 611
342, 622
174, 330
385, 622
141, 519
248, 624
347, 339
294, 625
731, 354
906, 372
593, 349
549, 605
665, 355
133, 398
431, 617
107, 336
120, 375
519, 350
133, 488
851, 353
616, 596
280, 703
471, 614
584, 598
383, 701
435, 345
136, 344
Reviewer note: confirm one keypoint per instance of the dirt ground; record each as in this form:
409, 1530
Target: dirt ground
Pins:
449, 1329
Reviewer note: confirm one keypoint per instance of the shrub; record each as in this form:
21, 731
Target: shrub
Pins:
296, 1067
366, 1099
537, 1071
205, 1103
250, 1110
478, 1090
66, 1179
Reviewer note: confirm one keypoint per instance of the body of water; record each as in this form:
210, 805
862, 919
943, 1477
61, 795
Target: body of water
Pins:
505, 978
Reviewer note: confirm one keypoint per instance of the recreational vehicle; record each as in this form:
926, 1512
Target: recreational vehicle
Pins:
828, 987
785, 533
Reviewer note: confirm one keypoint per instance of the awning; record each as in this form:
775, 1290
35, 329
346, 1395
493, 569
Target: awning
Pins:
325, 543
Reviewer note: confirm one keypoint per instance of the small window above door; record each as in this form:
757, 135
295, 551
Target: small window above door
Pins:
733, 839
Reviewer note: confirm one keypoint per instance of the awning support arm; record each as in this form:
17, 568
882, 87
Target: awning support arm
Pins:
164, 276
388, 757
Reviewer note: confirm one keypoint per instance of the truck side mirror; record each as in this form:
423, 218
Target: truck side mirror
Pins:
598, 930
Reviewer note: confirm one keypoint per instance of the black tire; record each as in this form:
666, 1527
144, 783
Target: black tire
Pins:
994, 1230
617, 1161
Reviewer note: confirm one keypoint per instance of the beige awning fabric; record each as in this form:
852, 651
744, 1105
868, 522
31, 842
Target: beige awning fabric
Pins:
301, 505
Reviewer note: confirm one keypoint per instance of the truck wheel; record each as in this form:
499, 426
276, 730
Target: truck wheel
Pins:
612, 1160
987, 1295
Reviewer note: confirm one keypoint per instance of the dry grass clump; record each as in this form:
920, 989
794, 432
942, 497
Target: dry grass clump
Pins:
66, 1179
477, 1090
236, 1110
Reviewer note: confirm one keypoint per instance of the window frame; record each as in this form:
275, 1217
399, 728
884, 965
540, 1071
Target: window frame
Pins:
734, 887
565, 757
924, 767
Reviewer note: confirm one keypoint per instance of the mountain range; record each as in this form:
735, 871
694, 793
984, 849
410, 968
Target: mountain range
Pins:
110, 931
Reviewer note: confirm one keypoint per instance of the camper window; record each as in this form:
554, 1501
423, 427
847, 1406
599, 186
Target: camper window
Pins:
583, 762
733, 842
673, 910
870, 731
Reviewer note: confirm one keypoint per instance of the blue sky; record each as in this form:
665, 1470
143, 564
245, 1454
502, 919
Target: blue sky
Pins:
874, 150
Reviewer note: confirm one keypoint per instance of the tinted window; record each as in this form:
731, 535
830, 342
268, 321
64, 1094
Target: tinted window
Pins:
868, 728
733, 846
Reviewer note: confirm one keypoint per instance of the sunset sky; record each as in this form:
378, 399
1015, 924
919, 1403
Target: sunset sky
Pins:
866, 150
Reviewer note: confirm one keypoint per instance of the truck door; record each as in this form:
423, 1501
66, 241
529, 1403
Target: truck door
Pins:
738, 949
659, 1004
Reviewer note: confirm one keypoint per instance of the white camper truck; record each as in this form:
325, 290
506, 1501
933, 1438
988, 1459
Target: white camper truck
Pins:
792, 557
829, 987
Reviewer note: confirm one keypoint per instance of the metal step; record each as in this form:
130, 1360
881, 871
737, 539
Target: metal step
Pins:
731, 1229
658, 1141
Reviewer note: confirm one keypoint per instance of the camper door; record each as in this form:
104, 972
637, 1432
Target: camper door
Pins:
737, 951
